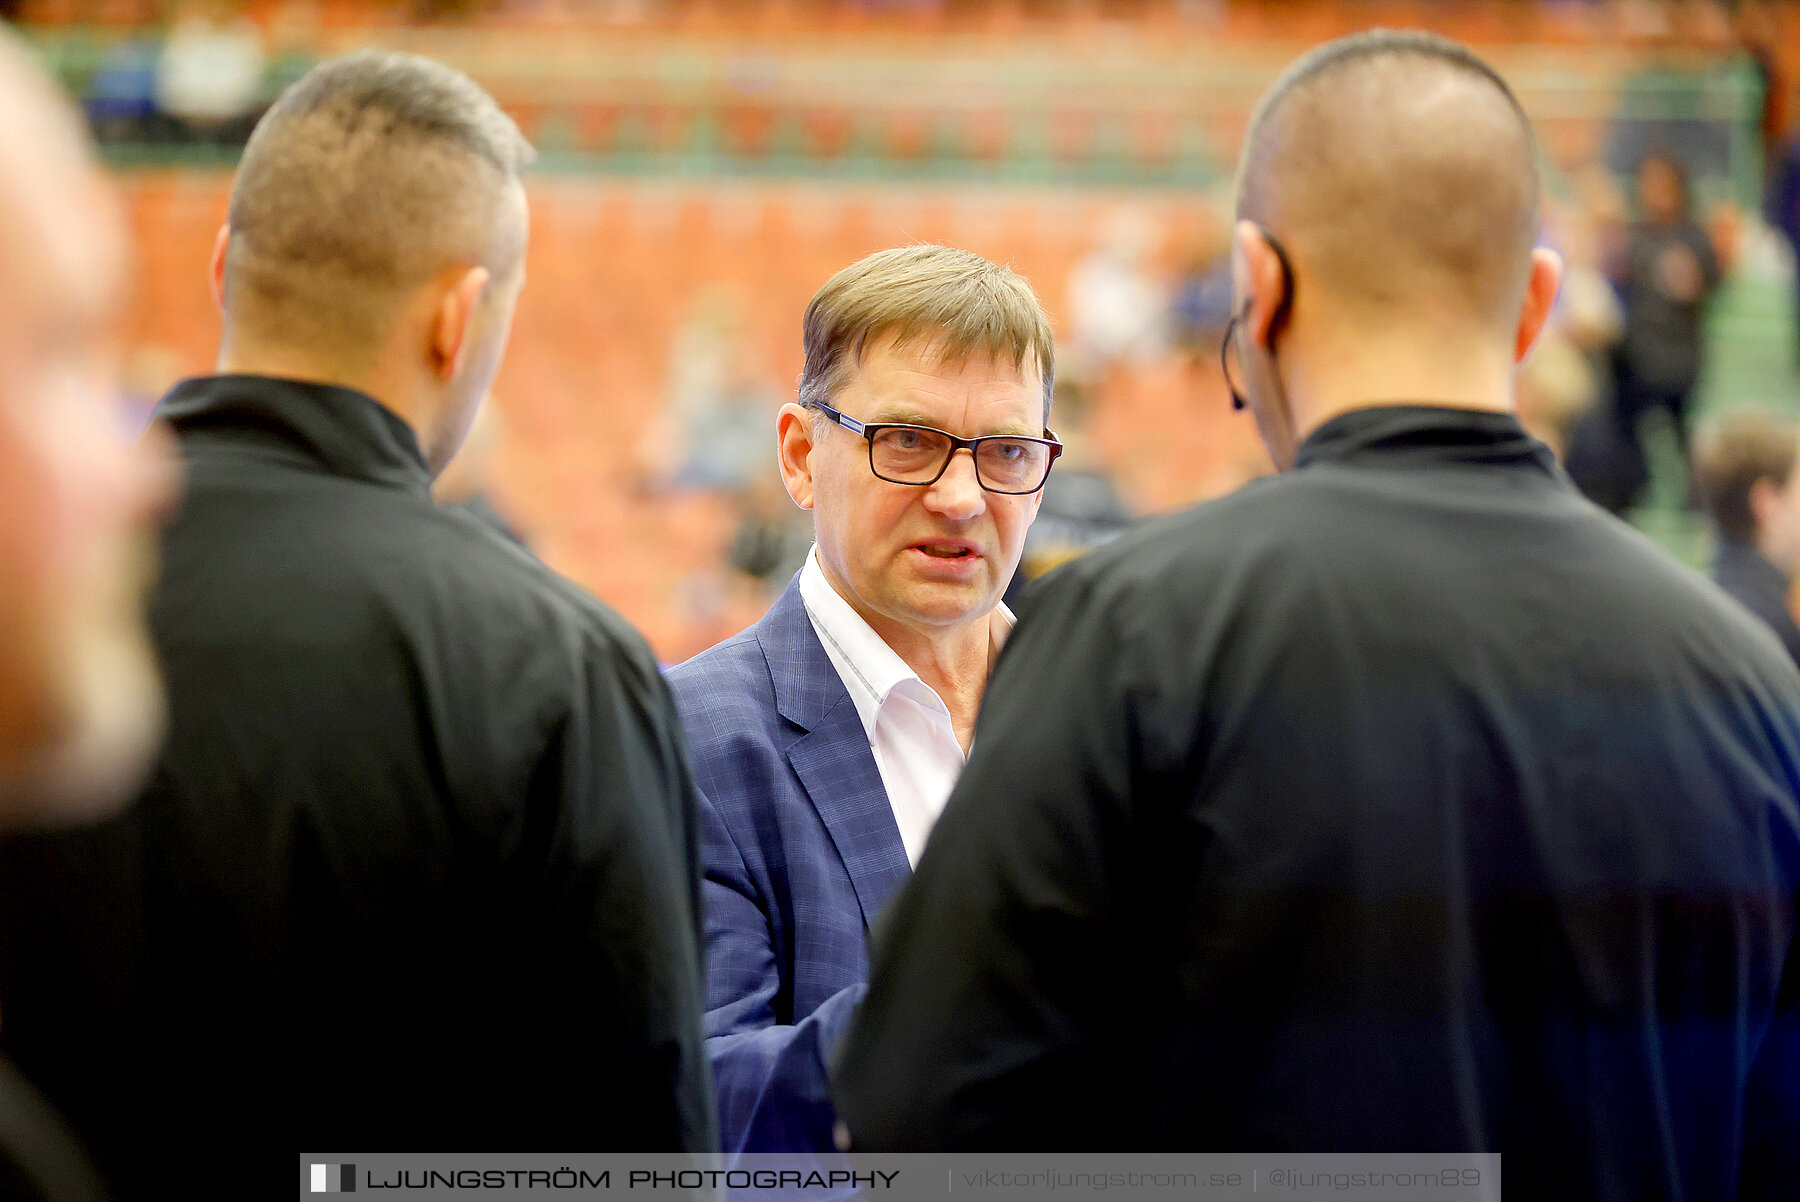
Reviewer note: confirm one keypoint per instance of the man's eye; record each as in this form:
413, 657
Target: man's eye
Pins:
1007, 452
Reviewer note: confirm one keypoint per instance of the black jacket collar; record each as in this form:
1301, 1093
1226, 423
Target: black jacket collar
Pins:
322, 426
1425, 435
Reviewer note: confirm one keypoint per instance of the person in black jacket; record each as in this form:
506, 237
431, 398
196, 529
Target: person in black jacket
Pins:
418, 869
1403, 801
80, 700
1744, 470
1667, 273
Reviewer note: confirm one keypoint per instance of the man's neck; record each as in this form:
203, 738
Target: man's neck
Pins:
1352, 373
953, 661
289, 364
954, 664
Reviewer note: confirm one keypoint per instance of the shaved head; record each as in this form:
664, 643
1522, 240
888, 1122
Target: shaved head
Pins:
1399, 169
370, 176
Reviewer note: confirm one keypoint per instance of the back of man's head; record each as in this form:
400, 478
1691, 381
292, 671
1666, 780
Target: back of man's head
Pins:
1400, 169
371, 176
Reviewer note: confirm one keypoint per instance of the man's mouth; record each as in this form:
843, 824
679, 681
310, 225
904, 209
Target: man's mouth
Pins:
947, 550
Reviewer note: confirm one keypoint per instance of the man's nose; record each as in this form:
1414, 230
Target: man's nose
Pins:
958, 492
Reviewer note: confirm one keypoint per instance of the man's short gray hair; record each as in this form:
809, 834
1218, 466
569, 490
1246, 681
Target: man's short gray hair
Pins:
954, 299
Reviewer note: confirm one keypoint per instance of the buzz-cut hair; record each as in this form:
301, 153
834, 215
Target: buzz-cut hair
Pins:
370, 174
1376, 43
1406, 165
954, 300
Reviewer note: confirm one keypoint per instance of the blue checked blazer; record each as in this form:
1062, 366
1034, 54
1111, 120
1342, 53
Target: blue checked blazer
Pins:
800, 850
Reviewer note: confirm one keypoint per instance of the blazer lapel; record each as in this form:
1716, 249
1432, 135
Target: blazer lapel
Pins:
830, 754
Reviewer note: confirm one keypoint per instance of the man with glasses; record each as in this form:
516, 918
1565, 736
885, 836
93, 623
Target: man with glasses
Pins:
1403, 801
827, 736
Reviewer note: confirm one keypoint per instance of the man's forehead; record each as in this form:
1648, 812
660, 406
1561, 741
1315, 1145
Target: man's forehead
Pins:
894, 362
992, 408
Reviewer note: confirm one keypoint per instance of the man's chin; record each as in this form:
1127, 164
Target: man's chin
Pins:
114, 722
945, 604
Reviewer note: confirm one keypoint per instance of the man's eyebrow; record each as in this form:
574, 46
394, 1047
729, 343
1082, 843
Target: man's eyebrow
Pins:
901, 413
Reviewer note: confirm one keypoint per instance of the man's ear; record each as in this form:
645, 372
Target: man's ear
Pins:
1260, 281
454, 319
1765, 494
216, 268
1540, 298
793, 449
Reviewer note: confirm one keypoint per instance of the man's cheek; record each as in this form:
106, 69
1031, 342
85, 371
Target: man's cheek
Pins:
32, 500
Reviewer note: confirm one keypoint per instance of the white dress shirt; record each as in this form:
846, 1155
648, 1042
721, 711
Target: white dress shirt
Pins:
908, 724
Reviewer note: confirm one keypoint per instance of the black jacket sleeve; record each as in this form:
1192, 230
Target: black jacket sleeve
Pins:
996, 971
610, 880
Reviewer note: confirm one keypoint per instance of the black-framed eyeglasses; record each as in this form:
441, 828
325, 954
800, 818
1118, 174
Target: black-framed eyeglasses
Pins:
1226, 347
901, 453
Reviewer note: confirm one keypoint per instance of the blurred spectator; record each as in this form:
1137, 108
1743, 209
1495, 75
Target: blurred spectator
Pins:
714, 433
1665, 273
121, 94
1669, 271
1744, 469
1202, 300
210, 74
1117, 308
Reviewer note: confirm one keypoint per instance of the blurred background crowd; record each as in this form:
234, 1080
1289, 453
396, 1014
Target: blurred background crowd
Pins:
706, 164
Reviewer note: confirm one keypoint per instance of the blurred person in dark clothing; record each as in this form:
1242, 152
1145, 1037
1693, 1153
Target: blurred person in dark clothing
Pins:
418, 868
1402, 801
1744, 469
1664, 271
80, 702
1669, 270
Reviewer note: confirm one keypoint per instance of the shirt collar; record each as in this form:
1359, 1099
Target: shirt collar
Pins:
871, 669
1424, 435
338, 430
